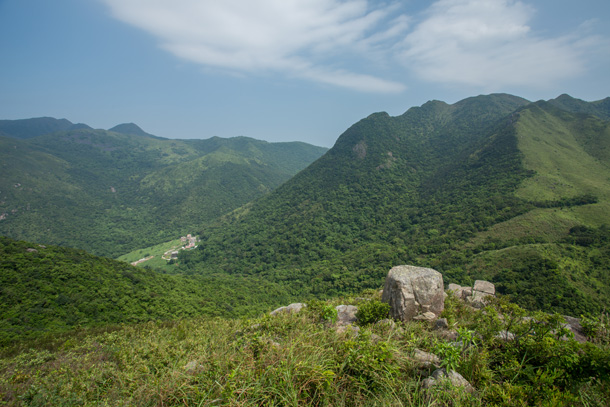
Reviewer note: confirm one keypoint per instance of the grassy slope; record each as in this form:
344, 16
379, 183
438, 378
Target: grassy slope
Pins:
300, 360
568, 153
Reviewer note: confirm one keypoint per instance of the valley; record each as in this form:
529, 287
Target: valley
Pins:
111, 192
492, 188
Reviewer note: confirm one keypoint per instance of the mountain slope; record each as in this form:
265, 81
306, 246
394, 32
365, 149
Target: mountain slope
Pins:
110, 193
429, 187
360, 208
49, 289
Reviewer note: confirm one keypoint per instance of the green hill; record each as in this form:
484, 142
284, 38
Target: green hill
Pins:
51, 289
28, 128
431, 187
110, 192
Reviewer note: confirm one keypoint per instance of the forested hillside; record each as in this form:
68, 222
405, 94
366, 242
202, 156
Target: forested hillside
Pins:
455, 187
51, 289
110, 192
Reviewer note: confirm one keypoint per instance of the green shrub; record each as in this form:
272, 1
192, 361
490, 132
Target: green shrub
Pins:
597, 328
369, 362
372, 311
322, 310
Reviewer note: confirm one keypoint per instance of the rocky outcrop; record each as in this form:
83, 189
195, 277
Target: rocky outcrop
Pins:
476, 295
295, 307
413, 291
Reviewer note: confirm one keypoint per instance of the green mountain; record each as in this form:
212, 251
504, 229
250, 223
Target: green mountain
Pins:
131, 128
51, 289
112, 192
490, 187
600, 108
28, 128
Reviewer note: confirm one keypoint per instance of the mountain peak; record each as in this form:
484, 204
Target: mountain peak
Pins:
28, 128
131, 129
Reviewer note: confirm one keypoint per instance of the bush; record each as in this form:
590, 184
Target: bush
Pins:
323, 311
372, 311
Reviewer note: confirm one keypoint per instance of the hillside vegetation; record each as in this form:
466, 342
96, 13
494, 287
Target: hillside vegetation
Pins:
110, 192
49, 289
454, 187
304, 359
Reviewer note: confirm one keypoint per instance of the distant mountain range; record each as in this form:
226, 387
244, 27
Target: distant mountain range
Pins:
492, 187
112, 191
39, 126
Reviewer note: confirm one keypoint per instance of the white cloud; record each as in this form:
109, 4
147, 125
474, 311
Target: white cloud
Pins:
488, 44
295, 37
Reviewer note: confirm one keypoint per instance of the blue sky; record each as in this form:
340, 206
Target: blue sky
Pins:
286, 70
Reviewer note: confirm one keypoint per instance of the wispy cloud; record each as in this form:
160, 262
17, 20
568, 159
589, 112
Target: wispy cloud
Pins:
299, 38
487, 44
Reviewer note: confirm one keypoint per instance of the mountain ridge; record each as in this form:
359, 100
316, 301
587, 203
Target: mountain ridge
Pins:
410, 189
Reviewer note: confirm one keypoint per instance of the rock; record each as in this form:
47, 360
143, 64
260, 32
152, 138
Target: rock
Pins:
441, 323
411, 291
426, 359
346, 314
439, 376
505, 336
573, 324
193, 367
477, 299
295, 307
486, 287
465, 292
447, 334
348, 329
426, 316
454, 288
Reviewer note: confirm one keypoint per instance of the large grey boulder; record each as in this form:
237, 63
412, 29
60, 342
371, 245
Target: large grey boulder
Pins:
413, 291
573, 324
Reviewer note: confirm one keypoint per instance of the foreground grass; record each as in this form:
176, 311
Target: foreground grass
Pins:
290, 360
